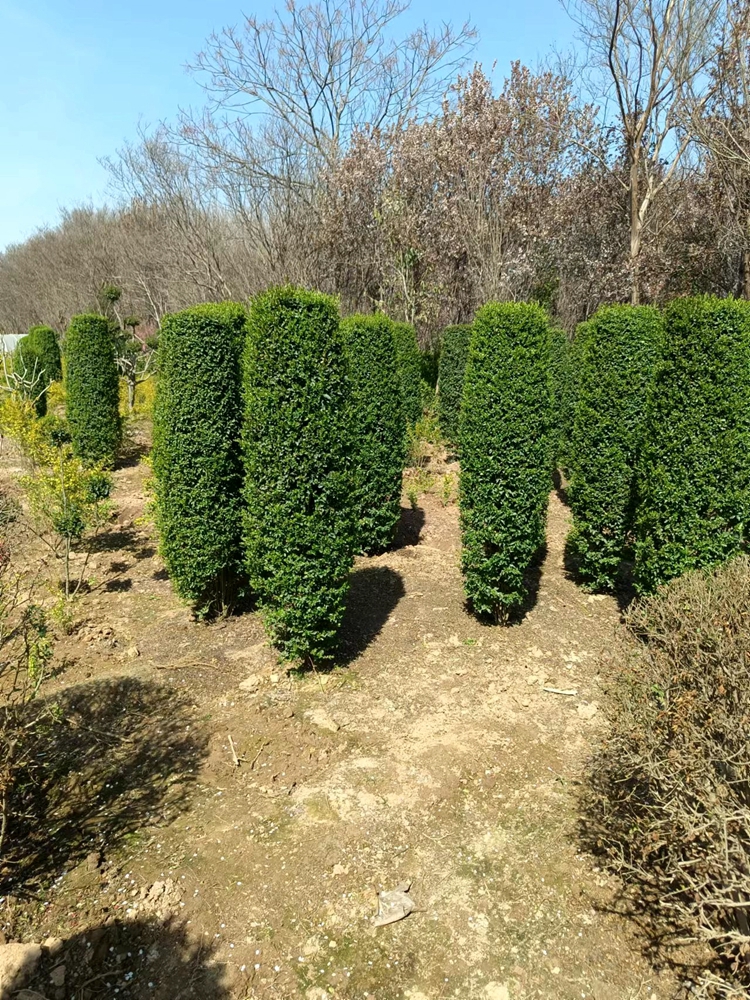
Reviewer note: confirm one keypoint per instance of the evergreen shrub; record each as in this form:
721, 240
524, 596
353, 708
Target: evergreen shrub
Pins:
377, 423
197, 455
455, 351
92, 389
409, 371
559, 372
300, 527
693, 474
505, 453
615, 366
44, 343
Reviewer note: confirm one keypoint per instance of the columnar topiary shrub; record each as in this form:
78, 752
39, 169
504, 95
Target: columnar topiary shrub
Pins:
92, 389
615, 366
559, 372
409, 370
377, 423
44, 343
28, 376
694, 468
40, 352
453, 355
505, 453
197, 456
300, 528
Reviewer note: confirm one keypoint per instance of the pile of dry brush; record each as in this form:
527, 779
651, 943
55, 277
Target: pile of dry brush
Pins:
667, 802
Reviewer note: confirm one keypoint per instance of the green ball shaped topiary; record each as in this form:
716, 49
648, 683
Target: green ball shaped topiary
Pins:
377, 423
197, 456
615, 366
505, 454
693, 473
92, 389
300, 528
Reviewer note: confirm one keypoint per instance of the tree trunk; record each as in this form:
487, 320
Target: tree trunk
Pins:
635, 235
131, 394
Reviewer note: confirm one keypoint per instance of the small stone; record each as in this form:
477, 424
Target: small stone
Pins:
57, 976
251, 683
274, 678
320, 718
340, 870
587, 710
52, 945
317, 993
93, 861
288, 713
29, 995
132, 652
496, 991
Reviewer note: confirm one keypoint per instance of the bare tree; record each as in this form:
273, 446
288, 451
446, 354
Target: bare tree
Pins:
647, 55
306, 80
721, 125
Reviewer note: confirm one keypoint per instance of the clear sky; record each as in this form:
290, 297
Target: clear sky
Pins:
76, 76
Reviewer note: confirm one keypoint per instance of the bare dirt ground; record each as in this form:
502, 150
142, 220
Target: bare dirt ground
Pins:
430, 756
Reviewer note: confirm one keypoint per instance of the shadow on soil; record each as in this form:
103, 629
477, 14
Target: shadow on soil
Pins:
409, 527
141, 958
374, 592
109, 758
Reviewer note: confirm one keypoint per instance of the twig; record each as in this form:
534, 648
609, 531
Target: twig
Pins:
570, 692
263, 745
235, 758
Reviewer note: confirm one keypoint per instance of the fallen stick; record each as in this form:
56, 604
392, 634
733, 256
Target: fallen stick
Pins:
235, 758
570, 692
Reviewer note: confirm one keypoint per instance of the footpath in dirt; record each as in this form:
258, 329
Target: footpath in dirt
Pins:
225, 826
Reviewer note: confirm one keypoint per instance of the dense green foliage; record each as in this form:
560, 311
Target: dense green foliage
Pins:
92, 389
430, 365
197, 456
378, 428
409, 370
694, 467
505, 453
43, 340
300, 529
615, 367
455, 351
560, 375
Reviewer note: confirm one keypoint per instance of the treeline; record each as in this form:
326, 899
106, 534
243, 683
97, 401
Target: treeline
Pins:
395, 198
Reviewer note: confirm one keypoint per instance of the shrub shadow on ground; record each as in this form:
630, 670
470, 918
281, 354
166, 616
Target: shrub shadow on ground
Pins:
374, 592
140, 959
409, 527
623, 591
110, 757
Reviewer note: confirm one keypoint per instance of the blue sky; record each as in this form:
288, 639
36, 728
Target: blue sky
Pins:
76, 76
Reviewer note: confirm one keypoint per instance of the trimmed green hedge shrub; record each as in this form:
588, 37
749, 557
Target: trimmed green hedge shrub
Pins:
300, 527
197, 455
453, 357
92, 389
560, 374
615, 367
409, 370
378, 426
27, 365
505, 453
694, 468
44, 343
